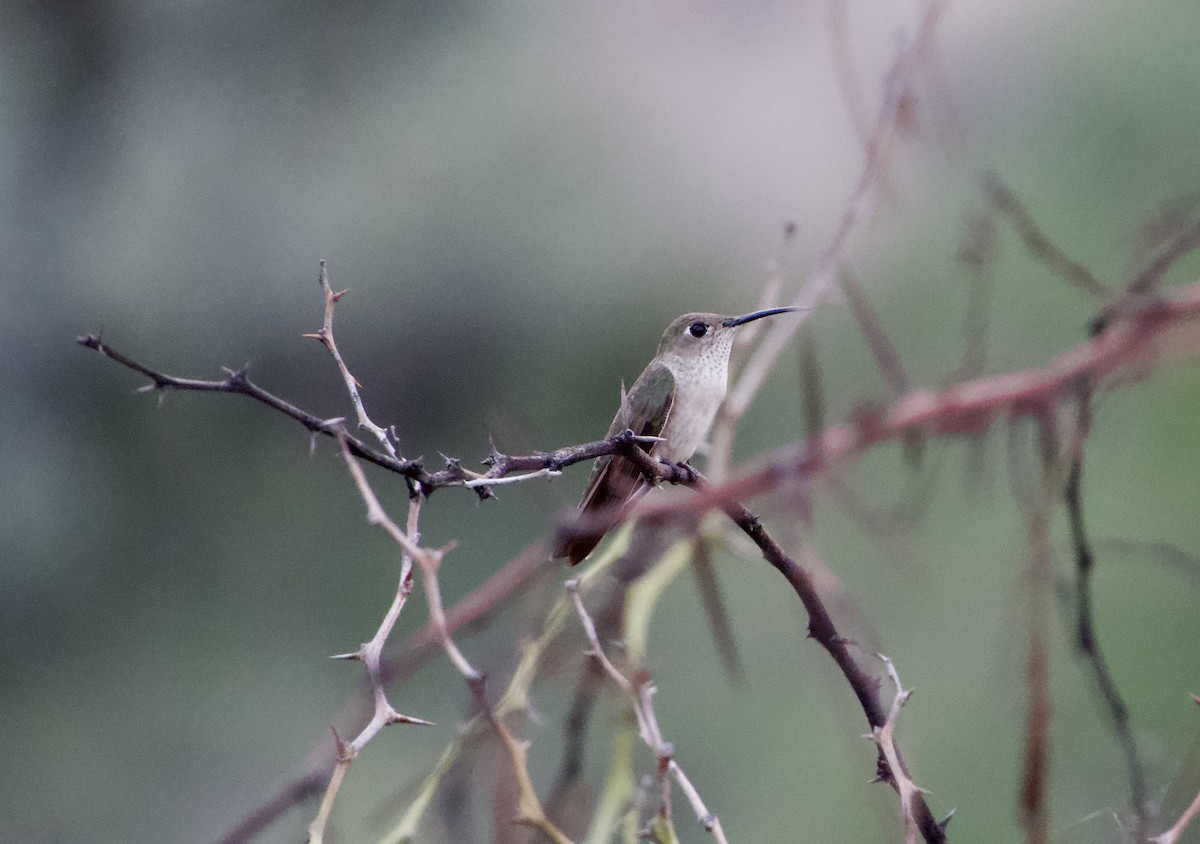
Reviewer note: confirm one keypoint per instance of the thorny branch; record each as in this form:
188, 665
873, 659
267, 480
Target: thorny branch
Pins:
325, 336
641, 693
429, 561
885, 738
500, 466
1152, 333
865, 685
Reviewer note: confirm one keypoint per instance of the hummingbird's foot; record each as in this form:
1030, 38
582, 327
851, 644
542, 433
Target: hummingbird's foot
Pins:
682, 472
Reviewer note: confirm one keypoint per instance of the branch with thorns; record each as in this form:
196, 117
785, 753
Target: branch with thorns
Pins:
640, 691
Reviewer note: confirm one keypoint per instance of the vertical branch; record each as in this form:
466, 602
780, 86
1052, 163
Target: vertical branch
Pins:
1005, 202
429, 561
1035, 812
1039, 576
369, 654
1086, 639
641, 693
324, 335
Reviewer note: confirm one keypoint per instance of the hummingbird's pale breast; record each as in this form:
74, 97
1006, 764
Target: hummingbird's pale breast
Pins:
700, 385
676, 398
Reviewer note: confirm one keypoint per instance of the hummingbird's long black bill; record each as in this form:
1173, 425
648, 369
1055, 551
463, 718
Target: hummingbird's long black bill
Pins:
753, 315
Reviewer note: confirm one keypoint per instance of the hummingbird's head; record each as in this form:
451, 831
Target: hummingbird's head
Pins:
706, 336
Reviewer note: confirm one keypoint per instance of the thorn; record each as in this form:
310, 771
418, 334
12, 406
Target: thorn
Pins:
315, 335
494, 455
337, 296
354, 656
395, 717
147, 388
236, 376
946, 821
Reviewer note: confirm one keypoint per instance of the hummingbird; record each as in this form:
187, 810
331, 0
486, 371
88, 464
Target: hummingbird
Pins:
675, 399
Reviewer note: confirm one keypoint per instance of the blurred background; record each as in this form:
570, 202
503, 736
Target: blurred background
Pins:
520, 196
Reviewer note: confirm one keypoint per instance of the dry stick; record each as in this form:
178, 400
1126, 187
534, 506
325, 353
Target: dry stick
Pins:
469, 613
1171, 836
297, 791
383, 713
887, 358
885, 739
1001, 198
641, 693
535, 465
429, 561
822, 629
1145, 281
1035, 813
369, 653
325, 336
1086, 639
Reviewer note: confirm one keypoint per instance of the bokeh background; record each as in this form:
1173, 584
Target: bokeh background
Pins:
520, 196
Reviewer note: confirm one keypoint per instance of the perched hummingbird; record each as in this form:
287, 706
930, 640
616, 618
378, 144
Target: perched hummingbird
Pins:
676, 398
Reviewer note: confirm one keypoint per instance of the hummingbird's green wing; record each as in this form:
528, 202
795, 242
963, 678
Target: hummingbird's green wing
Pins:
614, 479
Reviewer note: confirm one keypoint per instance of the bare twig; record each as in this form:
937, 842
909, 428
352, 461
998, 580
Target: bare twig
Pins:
537, 464
325, 336
1184, 242
887, 358
429, 561
641, 694
1171, 836
1002, 198
885, 738
977, 255
294, 793
369, 654
1087, 641
822, 629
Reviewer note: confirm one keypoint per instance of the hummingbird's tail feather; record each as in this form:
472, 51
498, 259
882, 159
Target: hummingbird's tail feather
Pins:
615, 481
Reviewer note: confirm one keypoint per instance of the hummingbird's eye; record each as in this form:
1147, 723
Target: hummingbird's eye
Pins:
698, 329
